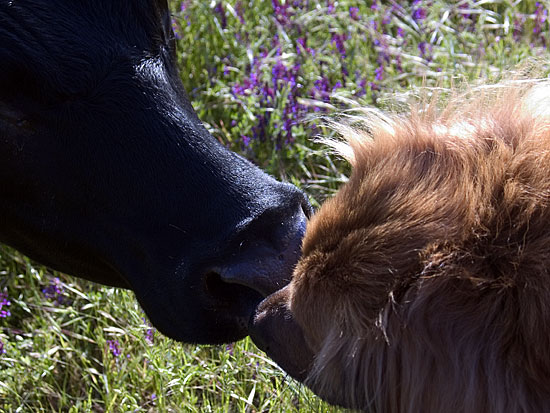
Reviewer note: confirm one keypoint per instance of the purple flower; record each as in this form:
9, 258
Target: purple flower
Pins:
287, 124
221, 11
383, 51
149, 335
378, 76
55, 291
278, 71
398, 64
176, 28
259, 130
354, 13
2, 348
238, 90
4, 303
425, 50
246, 140
540, 17
239, 11
300, 44
253, 80
463, 7
282, 12
379, 73
519, 21
114, 346
419, 13
362, 88
338, 40
387, 17
374, 5
267, 92
321, 89
360, 80
183, 8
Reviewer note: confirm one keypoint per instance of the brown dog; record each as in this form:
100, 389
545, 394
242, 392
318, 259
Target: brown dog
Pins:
424, 284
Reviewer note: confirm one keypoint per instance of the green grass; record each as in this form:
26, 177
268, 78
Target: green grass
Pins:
58, 356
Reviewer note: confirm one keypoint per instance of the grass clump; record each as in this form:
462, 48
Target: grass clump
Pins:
261, 75
273, 67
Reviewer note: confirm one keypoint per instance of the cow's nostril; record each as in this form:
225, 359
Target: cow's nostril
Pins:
216, 287
266, 264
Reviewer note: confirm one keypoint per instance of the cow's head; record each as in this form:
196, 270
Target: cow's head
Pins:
108, 174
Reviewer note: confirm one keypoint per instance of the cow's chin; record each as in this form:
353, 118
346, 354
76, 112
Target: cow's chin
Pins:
193, 312
206, 326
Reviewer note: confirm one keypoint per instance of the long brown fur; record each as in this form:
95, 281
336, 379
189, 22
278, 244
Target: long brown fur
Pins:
424, 284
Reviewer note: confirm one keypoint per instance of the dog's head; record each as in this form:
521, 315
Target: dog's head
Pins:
423, 284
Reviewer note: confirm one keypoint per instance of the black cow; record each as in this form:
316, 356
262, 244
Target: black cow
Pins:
107, 173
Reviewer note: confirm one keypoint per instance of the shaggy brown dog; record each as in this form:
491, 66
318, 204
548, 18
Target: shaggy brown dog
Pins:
424, 284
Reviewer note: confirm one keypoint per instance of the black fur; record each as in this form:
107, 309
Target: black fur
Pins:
107, 173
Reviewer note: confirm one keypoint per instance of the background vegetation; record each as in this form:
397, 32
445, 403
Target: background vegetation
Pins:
261, 74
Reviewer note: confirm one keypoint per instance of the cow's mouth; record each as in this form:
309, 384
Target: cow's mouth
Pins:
227, 294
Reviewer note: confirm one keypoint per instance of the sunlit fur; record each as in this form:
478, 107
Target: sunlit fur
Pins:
424, 284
